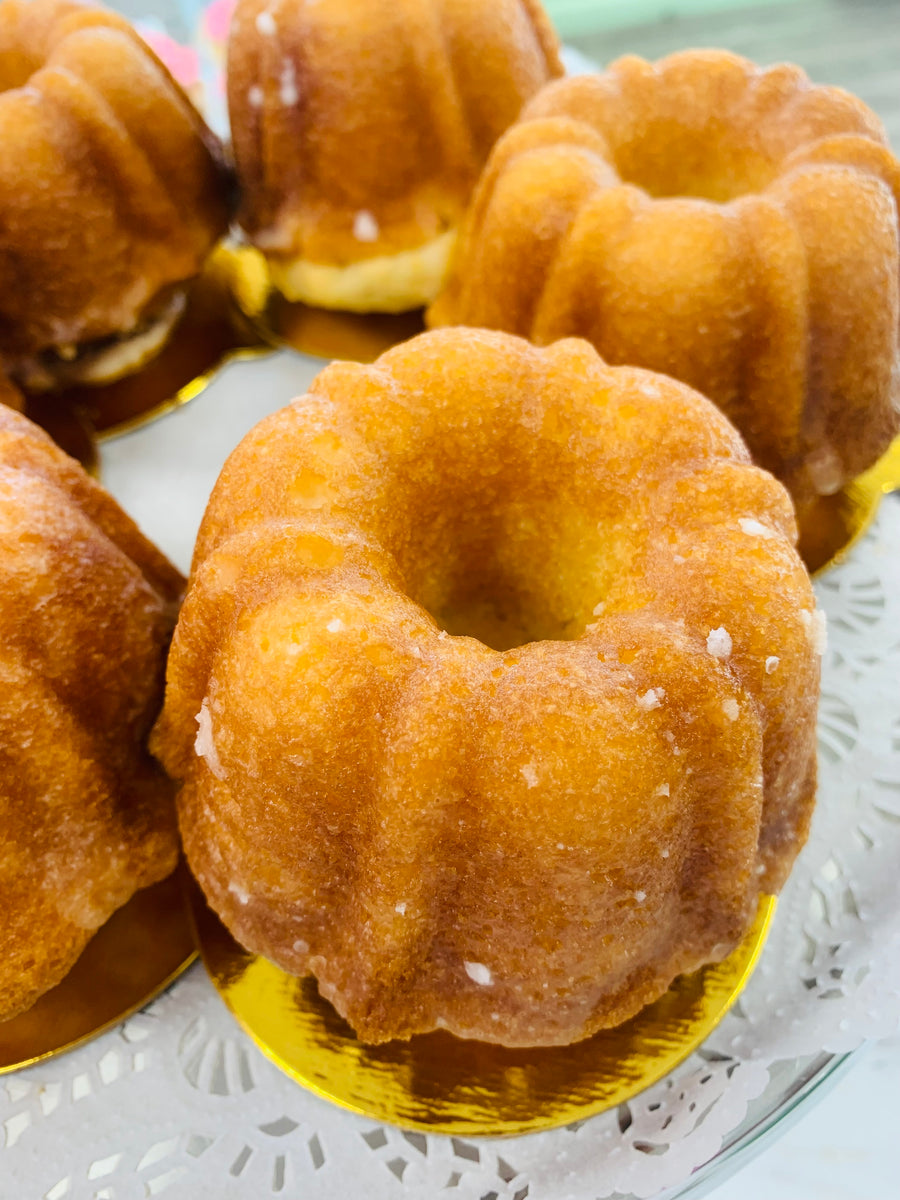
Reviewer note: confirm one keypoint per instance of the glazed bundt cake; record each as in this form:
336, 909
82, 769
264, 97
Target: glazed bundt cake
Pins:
493, 696
359, 130
734, 227
87, 606
112, 194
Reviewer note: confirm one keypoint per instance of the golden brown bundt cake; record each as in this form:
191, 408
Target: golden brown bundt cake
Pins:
112, 193
87, 606
360, 128
733, 227
493, 696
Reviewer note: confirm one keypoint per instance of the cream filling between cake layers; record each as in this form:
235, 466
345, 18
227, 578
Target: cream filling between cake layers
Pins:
389, 283
70, 365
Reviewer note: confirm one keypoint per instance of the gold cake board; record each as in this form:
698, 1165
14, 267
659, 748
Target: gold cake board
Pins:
140, 950
441, 1084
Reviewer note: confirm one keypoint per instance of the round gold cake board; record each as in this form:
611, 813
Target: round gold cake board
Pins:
140, 950
441, 1084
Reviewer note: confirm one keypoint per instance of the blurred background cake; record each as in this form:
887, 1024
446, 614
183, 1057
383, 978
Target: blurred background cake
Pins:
734, 227
112, 193
359, 129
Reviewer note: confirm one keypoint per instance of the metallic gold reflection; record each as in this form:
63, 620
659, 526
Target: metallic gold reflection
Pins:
140, 950
444, 1085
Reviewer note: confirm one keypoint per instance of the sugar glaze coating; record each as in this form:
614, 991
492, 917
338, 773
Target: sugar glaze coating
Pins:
471, 699
360, 129
112, 189
87, 606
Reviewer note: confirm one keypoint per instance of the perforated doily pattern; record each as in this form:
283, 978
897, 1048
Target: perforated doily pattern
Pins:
178, 1103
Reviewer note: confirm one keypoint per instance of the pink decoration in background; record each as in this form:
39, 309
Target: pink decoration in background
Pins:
217, 19
182, 61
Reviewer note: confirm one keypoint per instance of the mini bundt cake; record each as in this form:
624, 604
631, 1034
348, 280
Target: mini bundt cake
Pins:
493, 696
734, 227
112, 194
359, 130
87, 607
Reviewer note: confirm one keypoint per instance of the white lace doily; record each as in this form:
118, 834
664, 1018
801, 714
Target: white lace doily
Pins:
178, 1102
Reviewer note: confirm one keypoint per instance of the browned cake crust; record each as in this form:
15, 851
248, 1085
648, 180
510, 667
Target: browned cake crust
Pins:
360, 128
112, 189
87, 606
736, 228
523, 843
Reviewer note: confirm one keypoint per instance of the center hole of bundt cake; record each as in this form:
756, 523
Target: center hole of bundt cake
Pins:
705, 162
498, 610
506, 575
